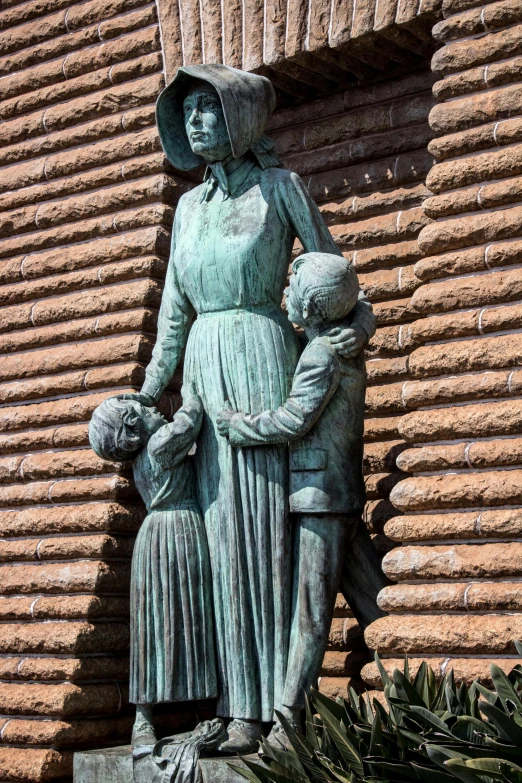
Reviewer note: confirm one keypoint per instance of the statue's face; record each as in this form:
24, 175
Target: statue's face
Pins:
205, 124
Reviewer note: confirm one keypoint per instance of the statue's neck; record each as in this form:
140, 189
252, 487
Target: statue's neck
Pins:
232, 164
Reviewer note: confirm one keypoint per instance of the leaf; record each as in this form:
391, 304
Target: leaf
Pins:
286, 759
303, 750
421, 685
405, 689
498, 747
430, 719
462, 696
338, 734
467, 729
385, 677
439, 697
512, 772
506, 727
490, 767
354, 700
439, 755
310, 726
432, 687
503, 687
488, 695
407, 667
452, 701
518, 645
261, 774
430, 775
395, 766
351, 715
363, 710
251, 775
461, 771
376, 736
379, 709
337, 772
337, 710
417, 739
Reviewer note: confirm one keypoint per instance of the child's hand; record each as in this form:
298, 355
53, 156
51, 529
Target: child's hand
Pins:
348, 341
223, 420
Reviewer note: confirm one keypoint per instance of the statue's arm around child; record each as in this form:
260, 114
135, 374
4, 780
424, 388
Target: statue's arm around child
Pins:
171, 443
315, 381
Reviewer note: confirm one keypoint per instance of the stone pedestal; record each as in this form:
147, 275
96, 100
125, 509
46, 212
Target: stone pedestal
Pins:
114, 765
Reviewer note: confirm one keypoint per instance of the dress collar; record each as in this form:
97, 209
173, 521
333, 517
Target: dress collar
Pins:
228, 176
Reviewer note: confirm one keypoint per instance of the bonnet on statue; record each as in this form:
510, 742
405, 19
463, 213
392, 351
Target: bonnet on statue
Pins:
248, 101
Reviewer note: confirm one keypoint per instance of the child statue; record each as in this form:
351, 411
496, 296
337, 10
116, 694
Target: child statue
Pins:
322, 419
172, 654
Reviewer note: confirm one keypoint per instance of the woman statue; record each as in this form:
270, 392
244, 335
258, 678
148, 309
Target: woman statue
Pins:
231, 247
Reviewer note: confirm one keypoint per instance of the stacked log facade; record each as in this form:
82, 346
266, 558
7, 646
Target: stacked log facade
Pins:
307, 49
87, 201
86, 206
363, 156
429, 213
458, 596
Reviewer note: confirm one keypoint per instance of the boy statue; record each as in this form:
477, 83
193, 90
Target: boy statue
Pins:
323, 421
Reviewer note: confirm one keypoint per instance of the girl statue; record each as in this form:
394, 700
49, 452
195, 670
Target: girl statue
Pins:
172, 652
231, 247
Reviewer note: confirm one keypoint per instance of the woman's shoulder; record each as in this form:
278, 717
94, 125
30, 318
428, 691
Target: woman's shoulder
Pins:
282, 184
279, 176
191, 196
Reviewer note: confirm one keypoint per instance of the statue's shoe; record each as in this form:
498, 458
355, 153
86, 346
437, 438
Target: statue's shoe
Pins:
143, 735
243, 736
278, 737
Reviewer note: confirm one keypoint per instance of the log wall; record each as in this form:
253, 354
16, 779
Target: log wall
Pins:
363, 155
458, 596
86, 205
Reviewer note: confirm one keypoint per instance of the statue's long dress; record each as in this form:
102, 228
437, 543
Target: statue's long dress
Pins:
172, 634
229, 263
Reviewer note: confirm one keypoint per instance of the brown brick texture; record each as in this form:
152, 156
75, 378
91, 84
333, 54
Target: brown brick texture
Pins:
363, 155
457, 597
307, 49
86, 205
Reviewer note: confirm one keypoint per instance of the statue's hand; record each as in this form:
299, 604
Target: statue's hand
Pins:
223, 420
142, 397
348, 341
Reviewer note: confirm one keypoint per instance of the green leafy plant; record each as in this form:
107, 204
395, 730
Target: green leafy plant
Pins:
429, 731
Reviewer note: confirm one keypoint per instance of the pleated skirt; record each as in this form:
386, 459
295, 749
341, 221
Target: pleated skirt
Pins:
247, 358
173, 654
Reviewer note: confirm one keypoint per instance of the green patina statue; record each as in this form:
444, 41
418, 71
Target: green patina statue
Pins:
170, 579
231, 247
322, 420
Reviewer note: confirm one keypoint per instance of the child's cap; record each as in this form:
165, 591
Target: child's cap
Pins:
329, 281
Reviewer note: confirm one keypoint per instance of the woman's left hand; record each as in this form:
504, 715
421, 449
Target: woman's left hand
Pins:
348, 341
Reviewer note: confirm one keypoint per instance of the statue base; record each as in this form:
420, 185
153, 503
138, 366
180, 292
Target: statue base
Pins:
115, 765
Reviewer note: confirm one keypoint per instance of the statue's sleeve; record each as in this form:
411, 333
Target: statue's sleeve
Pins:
315, 381
311, 230
171, 443
174, 319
